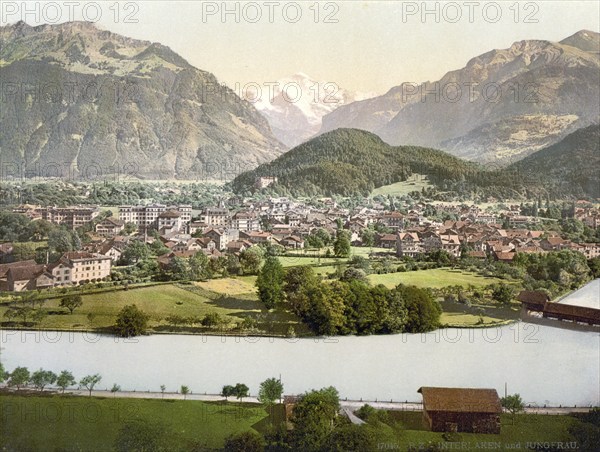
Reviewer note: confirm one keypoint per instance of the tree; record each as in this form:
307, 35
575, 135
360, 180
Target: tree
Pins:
115, 388
212, 319
178, 269
3, 373
313, 418
248, 441
42, 378
422, 310
198, 265
227, 391
233, 265
163, 388
71, 302
134, 252
513, 404
367, 237
22, 312
361, 263
351, 437
594, 265
341, 245
270, 391
354, 274
129, 228
240, 391
89, 381
62, 241
131, 322
185, 391
39, 315
251, 259
587, 432
19, 377
270, 283
503, 293
65, 379
143, 435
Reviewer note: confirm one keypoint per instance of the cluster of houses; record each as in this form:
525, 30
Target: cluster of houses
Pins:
287, 223
234, 226
70, 270
484, 240
71, 217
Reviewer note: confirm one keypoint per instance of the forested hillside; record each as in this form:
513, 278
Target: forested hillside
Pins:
349, 161
354, 162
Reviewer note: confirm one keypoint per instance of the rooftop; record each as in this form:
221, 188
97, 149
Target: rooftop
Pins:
464, 400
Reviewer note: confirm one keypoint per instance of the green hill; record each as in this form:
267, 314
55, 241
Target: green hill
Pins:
349, 161
567, 168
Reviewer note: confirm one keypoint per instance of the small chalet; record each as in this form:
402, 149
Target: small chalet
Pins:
386, 240
470, 410
293, 242
110, 227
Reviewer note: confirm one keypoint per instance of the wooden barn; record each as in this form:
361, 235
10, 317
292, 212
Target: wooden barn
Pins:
461, 409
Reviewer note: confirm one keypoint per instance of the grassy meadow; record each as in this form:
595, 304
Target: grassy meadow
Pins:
435, 278
53, 422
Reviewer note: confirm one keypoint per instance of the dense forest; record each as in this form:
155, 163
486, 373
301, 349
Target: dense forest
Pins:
348, 162
351, 162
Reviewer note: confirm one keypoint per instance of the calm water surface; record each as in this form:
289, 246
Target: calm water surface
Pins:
546, 365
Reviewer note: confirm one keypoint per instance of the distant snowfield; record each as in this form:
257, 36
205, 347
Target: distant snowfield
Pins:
588, 296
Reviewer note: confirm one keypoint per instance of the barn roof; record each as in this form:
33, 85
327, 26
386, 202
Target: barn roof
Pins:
5, 267
464, 400
533, 296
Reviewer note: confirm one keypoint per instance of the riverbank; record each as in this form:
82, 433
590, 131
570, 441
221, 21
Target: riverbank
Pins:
52, 422
352, 405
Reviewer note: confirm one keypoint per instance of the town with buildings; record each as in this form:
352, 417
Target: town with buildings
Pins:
204, 248
221, 230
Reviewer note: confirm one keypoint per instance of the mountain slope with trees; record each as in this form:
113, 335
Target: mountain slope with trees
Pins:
569, 167
348, 161
351, 162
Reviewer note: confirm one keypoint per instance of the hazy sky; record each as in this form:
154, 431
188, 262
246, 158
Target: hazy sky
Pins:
365, 46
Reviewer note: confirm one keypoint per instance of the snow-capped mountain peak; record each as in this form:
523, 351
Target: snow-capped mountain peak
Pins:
294, 105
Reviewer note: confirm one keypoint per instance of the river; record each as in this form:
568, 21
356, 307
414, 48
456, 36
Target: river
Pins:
546, 365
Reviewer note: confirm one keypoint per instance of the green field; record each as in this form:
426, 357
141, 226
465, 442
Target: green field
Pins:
52, 422
364, 251
293, 261
81, 423
234, 299
526, 429
455, 319
415, 183
230, 286
435, 278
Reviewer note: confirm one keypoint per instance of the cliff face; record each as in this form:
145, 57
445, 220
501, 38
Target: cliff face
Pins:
79, 97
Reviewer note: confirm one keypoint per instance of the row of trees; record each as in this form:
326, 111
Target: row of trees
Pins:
21, 377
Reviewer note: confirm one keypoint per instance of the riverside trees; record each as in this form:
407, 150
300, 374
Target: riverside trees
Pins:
354, 307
